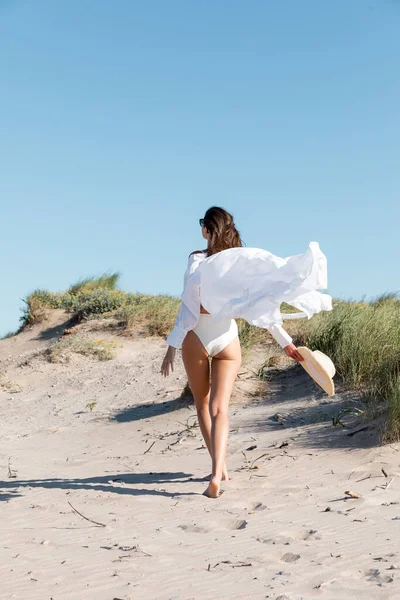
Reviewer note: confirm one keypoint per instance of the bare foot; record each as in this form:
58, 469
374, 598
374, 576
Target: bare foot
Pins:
213, 489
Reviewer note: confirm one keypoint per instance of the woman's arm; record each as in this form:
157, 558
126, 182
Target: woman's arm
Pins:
285, 341
189, 311
185, 321
280, 335
188, 314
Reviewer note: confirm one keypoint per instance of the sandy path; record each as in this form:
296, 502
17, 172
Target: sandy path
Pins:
269, 535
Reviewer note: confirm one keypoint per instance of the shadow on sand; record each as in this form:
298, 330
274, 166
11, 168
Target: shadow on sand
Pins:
107, 483
55, 332
307, 412
311, 413
151, 409
7, 496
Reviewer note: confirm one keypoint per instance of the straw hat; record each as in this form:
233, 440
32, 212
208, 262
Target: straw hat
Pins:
320, 367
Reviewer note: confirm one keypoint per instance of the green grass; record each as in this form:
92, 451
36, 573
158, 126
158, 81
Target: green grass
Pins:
108, 281
363, 339
154, 315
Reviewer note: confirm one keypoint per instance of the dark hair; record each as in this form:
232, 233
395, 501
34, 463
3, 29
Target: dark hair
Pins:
223, 233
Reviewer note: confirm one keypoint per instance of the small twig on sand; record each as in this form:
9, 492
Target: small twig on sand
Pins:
135, 548
189, 427
241, 563
357, 431
149, 448
256, 459
86, 518
389, 483
364, 478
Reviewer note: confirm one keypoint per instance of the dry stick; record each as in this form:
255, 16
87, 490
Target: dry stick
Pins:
86, 518
389, 483
258, 458
149, 448
233, 565
357, 431
364, 478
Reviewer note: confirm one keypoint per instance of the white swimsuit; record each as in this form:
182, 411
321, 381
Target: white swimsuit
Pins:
215, 334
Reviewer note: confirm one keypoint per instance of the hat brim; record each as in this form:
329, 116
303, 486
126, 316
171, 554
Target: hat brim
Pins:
316, 371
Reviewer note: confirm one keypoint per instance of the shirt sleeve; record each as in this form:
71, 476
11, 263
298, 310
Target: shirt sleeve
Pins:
280, 335
189, 311
185, 321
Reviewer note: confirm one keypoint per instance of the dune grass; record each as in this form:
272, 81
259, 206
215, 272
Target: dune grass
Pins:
154, 315
107, 281
363, 339
33, 310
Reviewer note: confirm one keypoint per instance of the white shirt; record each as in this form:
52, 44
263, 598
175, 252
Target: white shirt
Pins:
251, 283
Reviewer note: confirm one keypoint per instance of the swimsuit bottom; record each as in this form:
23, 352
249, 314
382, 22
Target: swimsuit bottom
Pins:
215, 335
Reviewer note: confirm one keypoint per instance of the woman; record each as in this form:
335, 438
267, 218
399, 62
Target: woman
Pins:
223, 282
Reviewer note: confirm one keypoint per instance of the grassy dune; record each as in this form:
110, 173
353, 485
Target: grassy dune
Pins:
363, 339
100, 298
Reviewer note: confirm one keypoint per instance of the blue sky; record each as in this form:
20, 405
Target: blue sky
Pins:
122, 122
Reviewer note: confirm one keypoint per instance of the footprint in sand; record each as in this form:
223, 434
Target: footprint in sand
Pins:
309, 534
375, 575
235, 524
304, 535
257, 506
193, 529
230, 524
289, 557
281, 540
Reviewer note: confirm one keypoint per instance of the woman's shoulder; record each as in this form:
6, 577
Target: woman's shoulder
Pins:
198, 253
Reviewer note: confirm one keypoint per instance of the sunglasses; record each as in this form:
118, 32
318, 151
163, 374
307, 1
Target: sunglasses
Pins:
201, 222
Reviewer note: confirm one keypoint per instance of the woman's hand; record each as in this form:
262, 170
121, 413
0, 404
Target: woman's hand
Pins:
168, 362
292, 352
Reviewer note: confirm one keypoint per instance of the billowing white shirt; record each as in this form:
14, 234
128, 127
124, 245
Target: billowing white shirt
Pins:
251, 283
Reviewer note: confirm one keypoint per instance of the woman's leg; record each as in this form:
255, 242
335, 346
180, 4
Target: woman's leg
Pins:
224, 370
197, 366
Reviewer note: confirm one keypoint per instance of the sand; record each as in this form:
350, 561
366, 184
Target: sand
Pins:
284, 528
